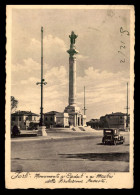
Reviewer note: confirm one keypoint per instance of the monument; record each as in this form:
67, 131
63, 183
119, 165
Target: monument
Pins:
76, 118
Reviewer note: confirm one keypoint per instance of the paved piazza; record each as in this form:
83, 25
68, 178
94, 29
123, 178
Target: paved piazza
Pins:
69, 152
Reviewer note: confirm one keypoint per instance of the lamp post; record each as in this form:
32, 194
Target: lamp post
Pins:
84, 102
127, 108
41, 83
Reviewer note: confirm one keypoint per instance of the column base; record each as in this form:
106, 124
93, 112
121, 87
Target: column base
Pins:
42, 131
72, 109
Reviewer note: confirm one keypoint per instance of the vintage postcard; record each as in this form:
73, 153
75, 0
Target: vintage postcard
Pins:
69, 96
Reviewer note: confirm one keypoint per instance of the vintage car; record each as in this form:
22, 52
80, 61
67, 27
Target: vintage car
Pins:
112, 136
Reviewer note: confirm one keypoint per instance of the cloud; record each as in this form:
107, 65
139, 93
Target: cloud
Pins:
55, 92
82, 57
54, 54
31, 80
54, 51
103, 88
28, 65
51, 45
57, 74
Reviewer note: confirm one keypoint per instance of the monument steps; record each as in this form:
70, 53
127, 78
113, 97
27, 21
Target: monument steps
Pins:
82, 128
58, 130
89, 129
79, 129
76, 129
72, 129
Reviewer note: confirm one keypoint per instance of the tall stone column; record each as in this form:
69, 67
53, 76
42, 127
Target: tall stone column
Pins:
80, 120
72, 80
74, 120
72, 70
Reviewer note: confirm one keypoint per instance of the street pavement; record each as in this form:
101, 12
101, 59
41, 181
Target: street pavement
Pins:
69, 152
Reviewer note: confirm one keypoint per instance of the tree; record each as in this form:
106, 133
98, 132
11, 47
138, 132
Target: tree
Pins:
14, 104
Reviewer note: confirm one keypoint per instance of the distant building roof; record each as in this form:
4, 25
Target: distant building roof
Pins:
116, 114
94, 121
22, 113
51, 112
102, 116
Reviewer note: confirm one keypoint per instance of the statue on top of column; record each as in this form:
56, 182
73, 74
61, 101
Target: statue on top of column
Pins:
73, 37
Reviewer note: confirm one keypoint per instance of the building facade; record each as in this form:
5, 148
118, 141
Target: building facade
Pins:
114, 120
24, 119
56, 119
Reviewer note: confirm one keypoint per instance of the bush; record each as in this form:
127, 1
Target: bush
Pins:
15, 131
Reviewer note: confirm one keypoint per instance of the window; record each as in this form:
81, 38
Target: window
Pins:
13, 118
46, 118
27, 118
20, 118
51, 119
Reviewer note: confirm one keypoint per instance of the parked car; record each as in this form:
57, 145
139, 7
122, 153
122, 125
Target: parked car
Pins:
112, 136
33, 126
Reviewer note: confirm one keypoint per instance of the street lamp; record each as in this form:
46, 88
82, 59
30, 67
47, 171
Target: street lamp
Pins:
42, 81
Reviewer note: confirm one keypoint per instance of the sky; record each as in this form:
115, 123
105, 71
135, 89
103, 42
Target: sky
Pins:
99, 65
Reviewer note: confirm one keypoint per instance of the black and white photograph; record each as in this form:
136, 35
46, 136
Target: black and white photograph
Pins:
69, 96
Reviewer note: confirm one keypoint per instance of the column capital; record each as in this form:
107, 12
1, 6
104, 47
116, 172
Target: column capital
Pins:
72, 52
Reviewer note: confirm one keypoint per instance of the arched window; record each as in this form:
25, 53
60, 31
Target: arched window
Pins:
46, 118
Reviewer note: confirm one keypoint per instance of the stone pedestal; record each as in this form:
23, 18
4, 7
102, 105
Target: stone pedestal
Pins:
75, 115
42, 131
